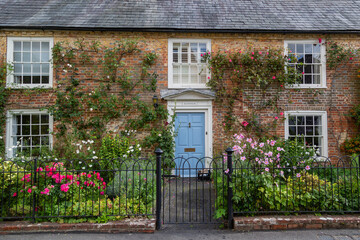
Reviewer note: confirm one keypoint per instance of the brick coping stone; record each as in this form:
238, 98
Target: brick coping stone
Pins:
142, 225
296, 222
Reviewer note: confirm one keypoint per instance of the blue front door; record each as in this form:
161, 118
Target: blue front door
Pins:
189, 143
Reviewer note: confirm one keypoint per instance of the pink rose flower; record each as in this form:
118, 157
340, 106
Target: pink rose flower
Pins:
15, 194
29, 190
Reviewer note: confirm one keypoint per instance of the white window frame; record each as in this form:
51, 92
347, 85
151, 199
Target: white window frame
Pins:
10, 83
10, 114
170, 62
323, 63
310, 113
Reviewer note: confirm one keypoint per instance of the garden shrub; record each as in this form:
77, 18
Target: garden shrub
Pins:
285, 176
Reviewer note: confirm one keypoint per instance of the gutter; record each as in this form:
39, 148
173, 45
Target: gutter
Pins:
180, 30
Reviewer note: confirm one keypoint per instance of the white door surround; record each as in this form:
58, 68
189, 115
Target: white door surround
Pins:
190, 100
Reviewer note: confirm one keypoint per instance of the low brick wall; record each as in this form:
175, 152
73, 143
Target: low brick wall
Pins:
128, 225
296, 222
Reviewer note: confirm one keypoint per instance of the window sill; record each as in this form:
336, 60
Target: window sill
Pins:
34, 86
305, 86
199, 86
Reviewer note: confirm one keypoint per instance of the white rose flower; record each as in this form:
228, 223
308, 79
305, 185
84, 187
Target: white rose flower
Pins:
77, 151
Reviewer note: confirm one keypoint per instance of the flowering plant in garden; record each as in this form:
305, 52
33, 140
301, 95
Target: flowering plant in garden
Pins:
62, 183
275, 157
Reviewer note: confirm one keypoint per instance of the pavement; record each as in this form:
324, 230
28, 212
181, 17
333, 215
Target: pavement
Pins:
192, 232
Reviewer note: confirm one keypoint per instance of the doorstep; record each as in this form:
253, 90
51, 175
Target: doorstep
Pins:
296, 222
142, 225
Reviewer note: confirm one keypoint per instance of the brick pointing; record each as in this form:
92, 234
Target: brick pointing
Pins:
296, 222
128, 225
343, 94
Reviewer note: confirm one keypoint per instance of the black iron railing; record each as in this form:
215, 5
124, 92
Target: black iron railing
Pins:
100, 189
313, 185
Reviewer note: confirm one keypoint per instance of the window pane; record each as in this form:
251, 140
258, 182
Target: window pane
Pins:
35, 119
36, 79
292, 130
299, 48
45, 47
45, 68
291, 48
17, 68
26, 79
316, 79
35, 130
317, 69
316, 48
317, 120
309, 131
26, 57
308, 79
308, 48
44, 118
44, 57
17, 57
45, 79
36, 69
202, 47
309, 120
193, 52
25, 130
36, 141
308, 58
26, 46
292, 120
17, 46
300, 58
45, 141
300, 130
185, 50
300, 120
36, 57
44, 129
316, 58
27, 68
318, 130
25, 119
36, 46
308, 68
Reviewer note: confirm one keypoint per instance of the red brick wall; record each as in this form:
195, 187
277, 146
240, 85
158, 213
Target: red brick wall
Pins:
342, 94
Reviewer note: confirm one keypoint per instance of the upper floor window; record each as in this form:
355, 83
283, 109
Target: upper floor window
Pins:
311, 62
187, 69
30, 58
309, 128
28, 132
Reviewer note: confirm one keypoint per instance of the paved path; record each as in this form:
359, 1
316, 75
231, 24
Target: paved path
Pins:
192, 233
188, 200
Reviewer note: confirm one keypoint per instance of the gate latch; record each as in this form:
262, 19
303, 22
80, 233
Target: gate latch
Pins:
189, 125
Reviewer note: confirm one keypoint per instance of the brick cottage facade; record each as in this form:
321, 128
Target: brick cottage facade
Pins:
26, 39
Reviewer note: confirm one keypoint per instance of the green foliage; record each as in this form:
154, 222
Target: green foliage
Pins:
351, 146
83, 111
233, 74
119, 147
338, 54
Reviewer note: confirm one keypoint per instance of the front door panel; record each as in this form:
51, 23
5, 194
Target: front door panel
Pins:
190, 143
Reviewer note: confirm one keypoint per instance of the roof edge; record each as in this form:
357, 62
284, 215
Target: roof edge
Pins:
182, 30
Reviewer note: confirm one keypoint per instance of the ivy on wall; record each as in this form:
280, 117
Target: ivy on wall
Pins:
256, 81
99, 90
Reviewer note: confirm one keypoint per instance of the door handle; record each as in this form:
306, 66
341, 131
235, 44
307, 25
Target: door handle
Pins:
189, 125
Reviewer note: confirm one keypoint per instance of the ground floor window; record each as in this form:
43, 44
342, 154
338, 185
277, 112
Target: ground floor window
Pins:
309, 127
28, 132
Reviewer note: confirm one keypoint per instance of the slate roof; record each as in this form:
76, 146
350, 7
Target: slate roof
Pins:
184, 15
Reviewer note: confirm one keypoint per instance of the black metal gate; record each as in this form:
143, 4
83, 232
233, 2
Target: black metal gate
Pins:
191, 193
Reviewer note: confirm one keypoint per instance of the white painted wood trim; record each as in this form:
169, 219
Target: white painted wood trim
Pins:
197, 106
10, 59
310, 113
9, 115
170, 61
322, 84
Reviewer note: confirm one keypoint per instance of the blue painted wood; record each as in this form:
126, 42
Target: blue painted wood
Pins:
191, 134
